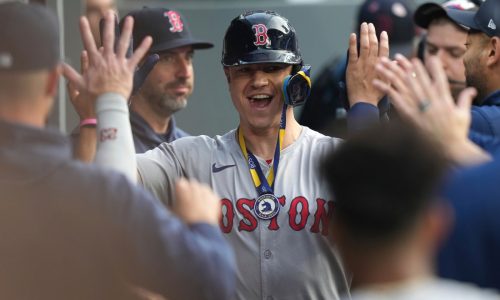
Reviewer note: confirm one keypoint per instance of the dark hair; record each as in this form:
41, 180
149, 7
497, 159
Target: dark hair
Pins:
382, 179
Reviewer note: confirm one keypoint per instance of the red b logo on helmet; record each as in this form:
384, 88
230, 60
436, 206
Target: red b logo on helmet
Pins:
175, 20
261, 38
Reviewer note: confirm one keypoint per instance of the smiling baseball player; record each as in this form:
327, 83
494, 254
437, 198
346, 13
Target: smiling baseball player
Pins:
275, 208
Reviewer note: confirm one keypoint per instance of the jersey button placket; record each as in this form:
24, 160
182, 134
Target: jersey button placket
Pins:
267, 254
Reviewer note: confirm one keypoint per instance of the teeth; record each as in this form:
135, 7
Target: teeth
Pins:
260, 97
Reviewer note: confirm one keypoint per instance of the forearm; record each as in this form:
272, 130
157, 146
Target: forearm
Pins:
115, 145
361, 116
85, 148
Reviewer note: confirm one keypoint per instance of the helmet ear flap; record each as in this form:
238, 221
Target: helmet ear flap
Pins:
297, 87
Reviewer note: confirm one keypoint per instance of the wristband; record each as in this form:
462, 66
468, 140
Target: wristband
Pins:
89, 121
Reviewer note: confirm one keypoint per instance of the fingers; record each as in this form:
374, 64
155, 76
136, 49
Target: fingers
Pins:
397, 98
383, 50
394, 74
109, 34
404, 63
437, 72
196, 202
373, 41
465, 99
181, 189
75, 79
87, 39
72, 92
364, 41
399, 92
353, 48
84, 62
419, 82
140, 52
125, 34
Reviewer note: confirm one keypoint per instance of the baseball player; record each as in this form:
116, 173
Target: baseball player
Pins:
275, 207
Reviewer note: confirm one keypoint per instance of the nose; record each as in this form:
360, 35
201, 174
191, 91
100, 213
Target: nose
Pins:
259, 79
443, 57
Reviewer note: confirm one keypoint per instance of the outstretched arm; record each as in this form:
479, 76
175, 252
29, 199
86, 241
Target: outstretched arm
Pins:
84, 139
109, 80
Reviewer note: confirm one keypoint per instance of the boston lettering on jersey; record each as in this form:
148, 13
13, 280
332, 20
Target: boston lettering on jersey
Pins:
298, 214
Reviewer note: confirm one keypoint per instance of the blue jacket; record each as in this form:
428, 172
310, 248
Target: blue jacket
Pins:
472, 251
73, 230
485, 123
146, 139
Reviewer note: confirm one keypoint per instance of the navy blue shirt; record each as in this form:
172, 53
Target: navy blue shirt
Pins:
145, 138
74, 230
472, 251
485, 123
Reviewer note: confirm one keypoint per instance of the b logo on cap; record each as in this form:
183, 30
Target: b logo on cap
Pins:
175, 21
261, 37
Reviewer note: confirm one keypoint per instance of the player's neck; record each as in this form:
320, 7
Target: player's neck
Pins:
391, 267
262, 142
159, 123
31, 113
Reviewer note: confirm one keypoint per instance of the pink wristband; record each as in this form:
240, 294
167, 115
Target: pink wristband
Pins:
89, 121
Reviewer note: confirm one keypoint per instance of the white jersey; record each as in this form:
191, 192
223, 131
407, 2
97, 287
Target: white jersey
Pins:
428, 289
286, 257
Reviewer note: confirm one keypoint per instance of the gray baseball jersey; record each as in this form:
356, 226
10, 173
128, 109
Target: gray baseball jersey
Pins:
286, 257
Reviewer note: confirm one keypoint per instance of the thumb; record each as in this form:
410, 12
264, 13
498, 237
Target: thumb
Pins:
465, 98
73, 77
181, 189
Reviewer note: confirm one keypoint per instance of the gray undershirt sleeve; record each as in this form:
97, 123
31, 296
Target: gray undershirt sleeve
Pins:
115, 145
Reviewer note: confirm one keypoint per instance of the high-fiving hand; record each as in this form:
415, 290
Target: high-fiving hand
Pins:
425, 99
108, 71
361, 66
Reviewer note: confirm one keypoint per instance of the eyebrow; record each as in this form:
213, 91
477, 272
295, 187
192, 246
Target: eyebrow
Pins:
447, 48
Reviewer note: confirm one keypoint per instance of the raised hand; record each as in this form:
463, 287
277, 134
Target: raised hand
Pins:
426, 100
361, 66
108, 71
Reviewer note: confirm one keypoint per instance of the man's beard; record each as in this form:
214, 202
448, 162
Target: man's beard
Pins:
478, 82
171, 104
456, 87
168, 104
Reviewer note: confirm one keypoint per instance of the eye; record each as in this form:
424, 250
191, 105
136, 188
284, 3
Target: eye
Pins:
457, 53
432, 50
166, 58
190, 56
273, 68
243, 70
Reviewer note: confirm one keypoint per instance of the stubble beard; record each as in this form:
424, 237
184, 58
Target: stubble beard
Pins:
476, 80
171, 104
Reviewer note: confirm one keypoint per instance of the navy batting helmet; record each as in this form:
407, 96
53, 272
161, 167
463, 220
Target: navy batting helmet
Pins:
260, 37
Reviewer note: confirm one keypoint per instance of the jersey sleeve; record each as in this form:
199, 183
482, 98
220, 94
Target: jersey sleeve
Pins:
188, 157
158, 170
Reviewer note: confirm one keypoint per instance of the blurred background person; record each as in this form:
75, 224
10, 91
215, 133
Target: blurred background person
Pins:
445, 38
328, 100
